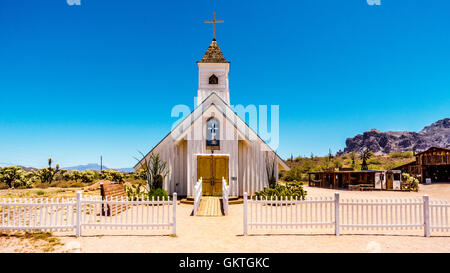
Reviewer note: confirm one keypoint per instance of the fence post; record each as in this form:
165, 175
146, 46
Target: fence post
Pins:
245, 213
174, 214
78, 217
426, 215
336, 214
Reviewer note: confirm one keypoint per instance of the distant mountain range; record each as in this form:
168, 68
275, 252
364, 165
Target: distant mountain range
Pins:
90, 166
96, 167
436, 134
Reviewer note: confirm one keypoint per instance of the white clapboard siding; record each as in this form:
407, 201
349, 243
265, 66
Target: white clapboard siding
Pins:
246, 151
62, 214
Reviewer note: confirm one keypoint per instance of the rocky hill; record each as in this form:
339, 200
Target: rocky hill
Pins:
437, 134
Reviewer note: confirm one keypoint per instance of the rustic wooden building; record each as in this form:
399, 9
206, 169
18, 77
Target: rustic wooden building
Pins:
369, 179
433, 163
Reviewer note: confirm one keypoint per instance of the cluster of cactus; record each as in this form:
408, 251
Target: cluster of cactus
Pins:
47, 175
409, 183
14, 177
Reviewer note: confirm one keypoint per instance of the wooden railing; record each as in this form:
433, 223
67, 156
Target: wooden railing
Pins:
197, 195
225, 195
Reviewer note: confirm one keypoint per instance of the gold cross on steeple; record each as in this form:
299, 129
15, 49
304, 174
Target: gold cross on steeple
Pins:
214, 24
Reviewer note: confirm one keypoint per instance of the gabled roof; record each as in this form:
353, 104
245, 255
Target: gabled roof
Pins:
432, 149
213, 54
214, 100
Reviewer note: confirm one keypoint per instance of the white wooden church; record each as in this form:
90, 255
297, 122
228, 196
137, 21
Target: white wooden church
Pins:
213, 142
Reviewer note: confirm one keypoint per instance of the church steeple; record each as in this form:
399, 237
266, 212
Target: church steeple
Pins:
213, 71
213, 54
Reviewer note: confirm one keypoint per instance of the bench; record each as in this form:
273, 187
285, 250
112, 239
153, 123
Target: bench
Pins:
366, 187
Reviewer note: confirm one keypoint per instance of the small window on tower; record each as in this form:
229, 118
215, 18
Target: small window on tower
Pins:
213, 79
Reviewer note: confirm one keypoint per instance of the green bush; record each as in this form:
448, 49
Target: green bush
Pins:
294, 190
155, 193
294, 174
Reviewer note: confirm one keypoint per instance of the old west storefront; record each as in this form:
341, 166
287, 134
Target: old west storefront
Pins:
433, 163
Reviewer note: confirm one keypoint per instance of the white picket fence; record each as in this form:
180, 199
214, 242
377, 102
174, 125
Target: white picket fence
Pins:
225, 195
346, 214
75, 214
439, 216
197, 195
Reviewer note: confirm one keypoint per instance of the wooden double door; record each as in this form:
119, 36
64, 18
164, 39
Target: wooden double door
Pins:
212, 168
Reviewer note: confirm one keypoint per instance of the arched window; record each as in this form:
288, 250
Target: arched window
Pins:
213, 79
212, 134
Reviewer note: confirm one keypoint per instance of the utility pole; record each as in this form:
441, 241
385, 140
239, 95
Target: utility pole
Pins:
101, 163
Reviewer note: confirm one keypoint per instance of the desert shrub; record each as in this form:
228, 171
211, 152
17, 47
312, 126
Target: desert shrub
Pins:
112, 175
88, 176
407, 154
135, 191
158, 192
294, 190
337, 163
139, 174
15, 177
374, 161
40, 192
76, 185
155, 170
409, 183
294, 174
47, 175
139, 191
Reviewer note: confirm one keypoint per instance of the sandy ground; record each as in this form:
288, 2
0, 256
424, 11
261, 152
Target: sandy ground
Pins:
224, 234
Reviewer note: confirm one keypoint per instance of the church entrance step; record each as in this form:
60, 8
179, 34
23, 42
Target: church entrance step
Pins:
210, 206
231, 201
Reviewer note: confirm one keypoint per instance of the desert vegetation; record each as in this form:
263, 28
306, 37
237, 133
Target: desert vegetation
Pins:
300, 166
19, 178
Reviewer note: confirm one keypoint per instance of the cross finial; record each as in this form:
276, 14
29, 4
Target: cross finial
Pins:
214, 24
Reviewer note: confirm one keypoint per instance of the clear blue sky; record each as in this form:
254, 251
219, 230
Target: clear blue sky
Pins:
77, 82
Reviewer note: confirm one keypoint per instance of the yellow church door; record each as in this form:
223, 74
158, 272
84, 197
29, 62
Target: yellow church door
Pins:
211, 169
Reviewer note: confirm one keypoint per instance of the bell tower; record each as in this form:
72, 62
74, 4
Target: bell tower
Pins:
213, 70
213, 74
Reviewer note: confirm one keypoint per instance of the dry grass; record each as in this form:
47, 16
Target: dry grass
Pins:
376, 162
29, 242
